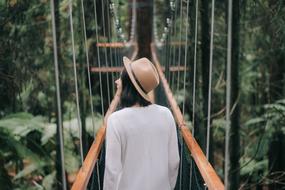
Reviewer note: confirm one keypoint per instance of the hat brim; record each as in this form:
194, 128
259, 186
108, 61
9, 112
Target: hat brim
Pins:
127, 65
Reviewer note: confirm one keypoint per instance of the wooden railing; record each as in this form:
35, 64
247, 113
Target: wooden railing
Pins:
86, 169
208, 173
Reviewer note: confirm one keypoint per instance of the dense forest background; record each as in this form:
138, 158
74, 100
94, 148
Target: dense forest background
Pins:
28, 119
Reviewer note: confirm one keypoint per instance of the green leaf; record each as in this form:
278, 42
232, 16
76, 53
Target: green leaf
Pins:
21, 124
49, 180
29, 169
48, 132
71, 161
275, 107
9, 143
255, 121
253, 166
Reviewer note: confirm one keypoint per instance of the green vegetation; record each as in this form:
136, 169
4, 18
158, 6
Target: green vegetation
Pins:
28, 141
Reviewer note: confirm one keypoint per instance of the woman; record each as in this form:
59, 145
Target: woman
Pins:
141, 138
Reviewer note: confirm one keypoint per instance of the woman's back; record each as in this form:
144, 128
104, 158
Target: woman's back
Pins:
144, 152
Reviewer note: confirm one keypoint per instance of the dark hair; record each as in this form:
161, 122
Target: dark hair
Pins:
130, 95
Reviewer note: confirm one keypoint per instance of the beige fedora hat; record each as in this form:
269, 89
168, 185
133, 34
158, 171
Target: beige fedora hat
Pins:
143, 75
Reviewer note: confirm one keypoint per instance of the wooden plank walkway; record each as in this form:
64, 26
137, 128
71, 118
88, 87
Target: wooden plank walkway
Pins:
119, 69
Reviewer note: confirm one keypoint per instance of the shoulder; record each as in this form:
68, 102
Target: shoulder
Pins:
117, 115
167, 115
126, 113
113, 122
163, 109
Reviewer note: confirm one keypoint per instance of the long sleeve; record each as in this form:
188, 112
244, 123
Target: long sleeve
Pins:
173, 154
113, 164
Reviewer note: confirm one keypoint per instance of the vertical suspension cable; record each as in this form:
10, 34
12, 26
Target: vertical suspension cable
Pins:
167, 48
156, 40
118, 34
98, 58
100, 80
59, 113
228, 92
194, 81
132, 32
210, 79
165, 53
171, 37
185, 57
116, 55
110, 41
116, 20
195, 67
88, 66
169, 22
184, 82
76, 82
181, 162
105, 50
180, 40
174, 48
112, 7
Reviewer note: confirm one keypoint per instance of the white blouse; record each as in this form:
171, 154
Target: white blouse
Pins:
141, 149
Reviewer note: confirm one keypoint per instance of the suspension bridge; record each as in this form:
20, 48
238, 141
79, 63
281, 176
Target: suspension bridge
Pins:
171, 58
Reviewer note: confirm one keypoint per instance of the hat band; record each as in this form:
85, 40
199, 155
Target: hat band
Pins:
137, 81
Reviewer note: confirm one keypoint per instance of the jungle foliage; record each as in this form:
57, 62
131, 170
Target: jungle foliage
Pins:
27, 88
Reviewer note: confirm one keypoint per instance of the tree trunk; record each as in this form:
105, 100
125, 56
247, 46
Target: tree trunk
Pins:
205, 57
276, 157
276, 59
60, 67
144, 27
234, 138
276, 66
